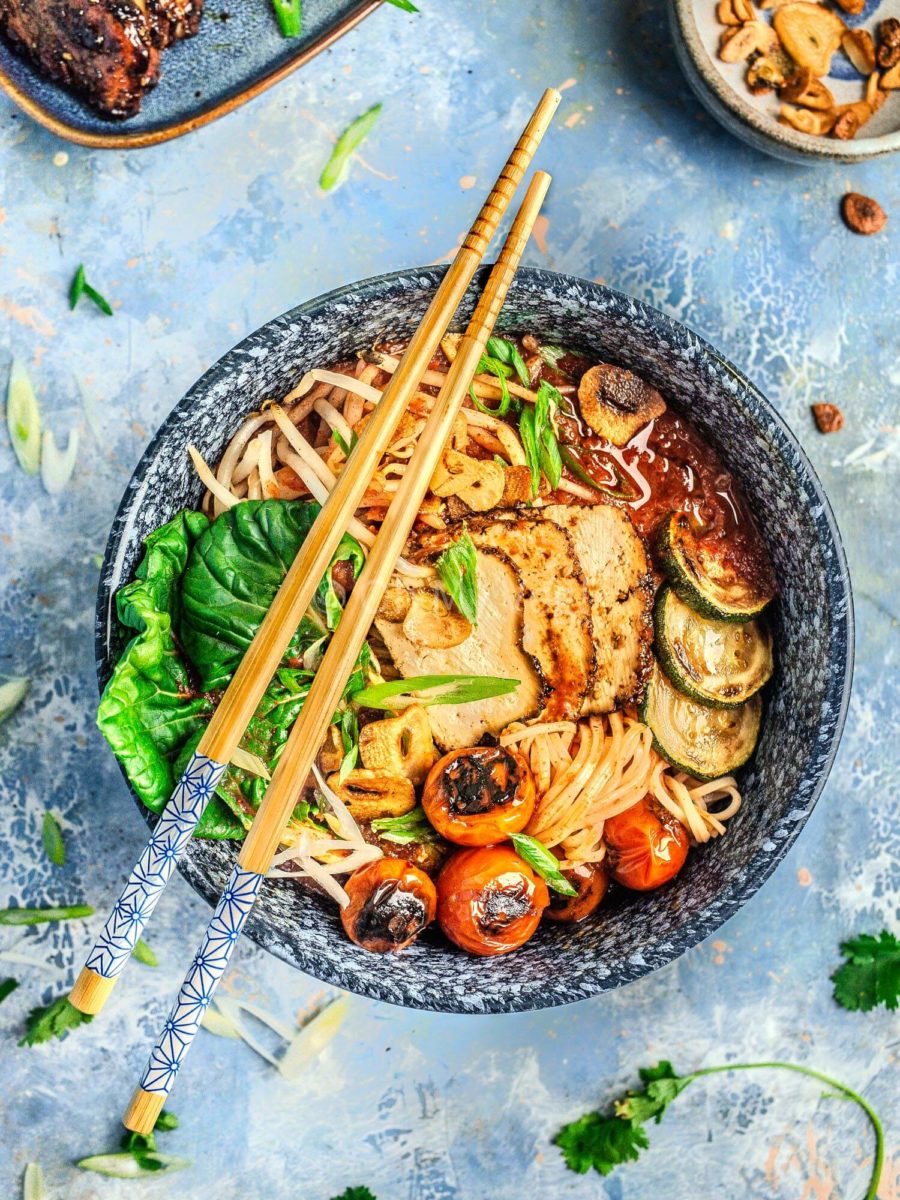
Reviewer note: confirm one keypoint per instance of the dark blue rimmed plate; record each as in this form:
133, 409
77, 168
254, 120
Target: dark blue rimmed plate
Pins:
237, 54
632, 934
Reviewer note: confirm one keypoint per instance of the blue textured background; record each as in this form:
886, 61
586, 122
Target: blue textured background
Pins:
198, 242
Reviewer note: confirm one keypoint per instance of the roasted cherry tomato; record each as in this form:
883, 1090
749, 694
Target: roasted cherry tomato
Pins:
480, 796
391, 902
592, 881
646, 845
489, 900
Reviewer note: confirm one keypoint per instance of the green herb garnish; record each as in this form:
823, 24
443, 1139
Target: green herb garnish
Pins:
139, 1155
433, 689
52, 1021
12, 693
349, 726
507, 353
538, 432
538, 857
501, 372
338, 165
39, 916
143, 953
457, 569
551, 355
289, 15
80, 287
404, 4
605, 1142
7, 987
33, 1182
51, 835
413, 826
23, 418
363, 1193
871, 974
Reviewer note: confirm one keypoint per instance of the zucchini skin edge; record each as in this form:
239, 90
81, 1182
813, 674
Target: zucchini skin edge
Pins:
685, 587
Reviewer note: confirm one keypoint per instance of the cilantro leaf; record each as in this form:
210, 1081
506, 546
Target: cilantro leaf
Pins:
356, 1193
7, 987
457, 567
871, 974
53, 1021
600, 1142
663, 1086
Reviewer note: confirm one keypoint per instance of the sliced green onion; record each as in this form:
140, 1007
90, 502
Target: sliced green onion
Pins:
51, 835
23, 418
539, 858
289, 14
218, 1024
80, 287
433, 689
507, 352
12, 693
39, 916
411, 827
7, 987
457, 567
33, 1183
124, 1164
57, 465
404, 4
622, 492
338, 165
143, 953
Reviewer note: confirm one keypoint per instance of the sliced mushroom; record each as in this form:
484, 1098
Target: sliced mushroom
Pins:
400, 745
477, 482
371, 794
617, 403
394, 603
432, 623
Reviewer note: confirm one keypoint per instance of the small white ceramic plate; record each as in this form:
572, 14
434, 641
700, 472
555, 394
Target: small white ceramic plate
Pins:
721, 88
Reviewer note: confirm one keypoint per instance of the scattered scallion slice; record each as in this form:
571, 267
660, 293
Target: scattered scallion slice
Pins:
51, 835
143, 953
12, 693
39, 916
404, 4
413, 826
507, 352
218, 1024
7, 987
289, 14
538, 857
33, 1183
433, 689
338, 165
80, 287
123, 1164
57, 465
23, 418
457, 569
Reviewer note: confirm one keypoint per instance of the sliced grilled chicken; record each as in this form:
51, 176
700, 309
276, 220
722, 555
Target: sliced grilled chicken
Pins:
617, 572
494, 647
557, 610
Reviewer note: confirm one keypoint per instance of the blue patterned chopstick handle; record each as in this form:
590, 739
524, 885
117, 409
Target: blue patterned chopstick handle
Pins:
153, 869
206, 970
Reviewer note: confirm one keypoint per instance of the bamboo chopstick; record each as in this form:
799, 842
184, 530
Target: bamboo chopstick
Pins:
201, 776
296, 760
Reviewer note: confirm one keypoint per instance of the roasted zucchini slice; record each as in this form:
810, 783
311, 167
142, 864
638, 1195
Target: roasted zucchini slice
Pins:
705, 742
718, 663
703, 579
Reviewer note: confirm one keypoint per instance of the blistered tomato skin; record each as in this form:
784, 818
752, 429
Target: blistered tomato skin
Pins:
592, 882
478, 797
646, 846
489, 900
391, 902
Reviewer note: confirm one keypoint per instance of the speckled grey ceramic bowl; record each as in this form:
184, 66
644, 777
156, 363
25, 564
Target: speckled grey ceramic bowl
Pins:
633, 933
720, 87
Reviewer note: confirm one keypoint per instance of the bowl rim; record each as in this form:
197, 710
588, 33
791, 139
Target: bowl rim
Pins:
757, 870
810, 147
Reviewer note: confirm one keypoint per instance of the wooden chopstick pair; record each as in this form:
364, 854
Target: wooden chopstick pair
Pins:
198, 783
